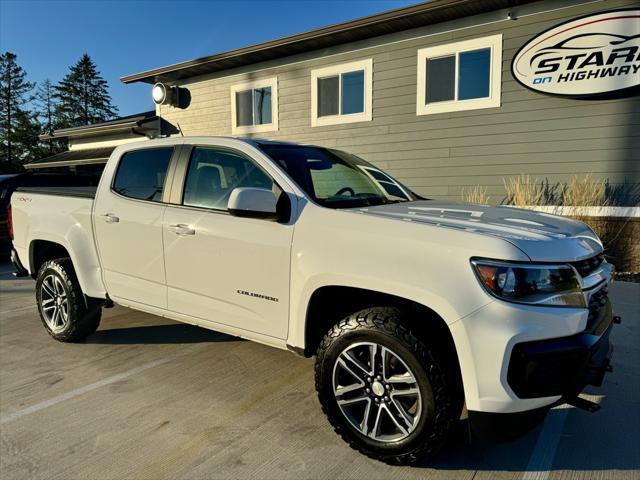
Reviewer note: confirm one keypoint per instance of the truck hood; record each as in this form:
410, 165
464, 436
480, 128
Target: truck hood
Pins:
543, 237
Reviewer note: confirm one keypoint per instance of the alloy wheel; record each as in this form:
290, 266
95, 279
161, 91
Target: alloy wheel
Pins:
54, 303
377, 392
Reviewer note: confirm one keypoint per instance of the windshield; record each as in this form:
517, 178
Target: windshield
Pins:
337, 179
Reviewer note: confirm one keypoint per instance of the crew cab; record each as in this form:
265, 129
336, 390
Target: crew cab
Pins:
419, 312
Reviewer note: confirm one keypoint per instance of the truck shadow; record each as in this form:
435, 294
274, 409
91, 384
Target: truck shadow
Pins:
159, 334
589, 442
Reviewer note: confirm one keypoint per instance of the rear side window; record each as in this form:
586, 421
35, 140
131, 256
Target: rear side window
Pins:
141, 173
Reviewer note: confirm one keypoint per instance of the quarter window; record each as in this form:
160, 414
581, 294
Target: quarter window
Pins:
341, 93
254, 106
460, 76
213, 174
390, 186
141, 173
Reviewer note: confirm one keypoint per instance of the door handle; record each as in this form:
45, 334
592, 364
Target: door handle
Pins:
182, 229
110, 218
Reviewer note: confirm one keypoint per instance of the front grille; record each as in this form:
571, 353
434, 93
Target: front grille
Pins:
588, 266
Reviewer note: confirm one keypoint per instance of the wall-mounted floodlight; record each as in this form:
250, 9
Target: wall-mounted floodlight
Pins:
164, 95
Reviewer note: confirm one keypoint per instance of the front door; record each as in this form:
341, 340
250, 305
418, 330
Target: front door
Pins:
229, 270
128, 227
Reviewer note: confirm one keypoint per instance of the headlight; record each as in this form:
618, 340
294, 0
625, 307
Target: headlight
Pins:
552, 285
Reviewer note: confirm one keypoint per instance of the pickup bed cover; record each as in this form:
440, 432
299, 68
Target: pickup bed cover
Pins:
84, 192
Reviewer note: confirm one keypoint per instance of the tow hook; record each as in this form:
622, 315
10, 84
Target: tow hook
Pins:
617, 320
584, 404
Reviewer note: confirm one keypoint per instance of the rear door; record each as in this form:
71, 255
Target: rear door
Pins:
128, 226
224, 269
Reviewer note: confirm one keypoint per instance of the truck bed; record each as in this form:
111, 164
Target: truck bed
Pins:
61, 215
83, 192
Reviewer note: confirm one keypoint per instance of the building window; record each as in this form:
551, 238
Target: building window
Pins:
254, 107
342, 93
460, 76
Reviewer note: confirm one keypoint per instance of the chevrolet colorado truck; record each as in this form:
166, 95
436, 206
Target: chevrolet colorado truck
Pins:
419, 313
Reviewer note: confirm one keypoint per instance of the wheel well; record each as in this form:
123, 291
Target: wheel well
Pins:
41, 251
329, 305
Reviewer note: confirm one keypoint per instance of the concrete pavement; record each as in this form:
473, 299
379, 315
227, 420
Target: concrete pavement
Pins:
149, 398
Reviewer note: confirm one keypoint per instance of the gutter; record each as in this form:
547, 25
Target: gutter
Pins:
136, 127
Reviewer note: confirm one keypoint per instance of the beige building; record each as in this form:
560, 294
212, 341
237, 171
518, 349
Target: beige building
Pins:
425, 92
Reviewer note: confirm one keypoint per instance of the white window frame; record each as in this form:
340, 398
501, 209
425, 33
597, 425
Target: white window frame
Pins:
366, 116
267, 127
493, 42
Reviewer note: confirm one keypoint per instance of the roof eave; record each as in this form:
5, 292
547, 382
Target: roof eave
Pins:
89, 131
435, 6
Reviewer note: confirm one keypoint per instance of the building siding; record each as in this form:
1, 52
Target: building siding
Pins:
439, 155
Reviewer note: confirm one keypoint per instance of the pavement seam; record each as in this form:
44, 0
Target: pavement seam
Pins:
10, 417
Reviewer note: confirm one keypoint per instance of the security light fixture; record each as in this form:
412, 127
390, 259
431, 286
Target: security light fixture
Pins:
164, 95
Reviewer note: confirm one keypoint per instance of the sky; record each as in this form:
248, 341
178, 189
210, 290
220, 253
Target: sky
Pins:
124, 37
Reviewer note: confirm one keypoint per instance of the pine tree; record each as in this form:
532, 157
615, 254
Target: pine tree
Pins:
27, 146
14, 90
46, 105
83, 96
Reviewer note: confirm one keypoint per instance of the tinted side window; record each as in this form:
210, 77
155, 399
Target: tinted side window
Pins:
214, 173
141, 173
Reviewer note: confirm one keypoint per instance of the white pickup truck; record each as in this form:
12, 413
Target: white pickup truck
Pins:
419, 313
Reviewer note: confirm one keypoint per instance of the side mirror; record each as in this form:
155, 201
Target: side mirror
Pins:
253, 203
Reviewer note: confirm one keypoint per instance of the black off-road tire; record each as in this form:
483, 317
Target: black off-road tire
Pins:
384, 326
83, 317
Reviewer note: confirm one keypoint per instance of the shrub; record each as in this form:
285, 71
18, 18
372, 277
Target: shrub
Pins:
522, 191
477, 194
619, 235
585, 192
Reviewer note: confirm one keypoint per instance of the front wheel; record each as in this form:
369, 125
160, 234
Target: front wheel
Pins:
383, 389
61, 303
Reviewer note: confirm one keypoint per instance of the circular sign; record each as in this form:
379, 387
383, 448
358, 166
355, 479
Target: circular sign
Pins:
593, 56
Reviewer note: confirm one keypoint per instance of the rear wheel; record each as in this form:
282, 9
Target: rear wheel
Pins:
61, 303
383, 389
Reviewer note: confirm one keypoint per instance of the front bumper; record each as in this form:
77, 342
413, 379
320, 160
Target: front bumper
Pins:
563, 366
542, 373
516, 358
556, 367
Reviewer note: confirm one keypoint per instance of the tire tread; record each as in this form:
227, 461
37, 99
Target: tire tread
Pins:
388, 320
84, 319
